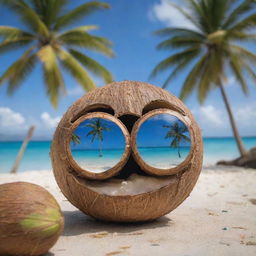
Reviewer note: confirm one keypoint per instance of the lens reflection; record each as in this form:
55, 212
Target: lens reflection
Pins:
97, 144
163, 141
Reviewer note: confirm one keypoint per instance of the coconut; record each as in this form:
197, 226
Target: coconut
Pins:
30, 219
132, 192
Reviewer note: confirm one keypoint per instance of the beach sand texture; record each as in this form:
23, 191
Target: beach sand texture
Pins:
219, 218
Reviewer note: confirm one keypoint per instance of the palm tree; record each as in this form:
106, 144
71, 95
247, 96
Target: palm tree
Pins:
176, 133
48, 41
75, 139
210, 50
97, 132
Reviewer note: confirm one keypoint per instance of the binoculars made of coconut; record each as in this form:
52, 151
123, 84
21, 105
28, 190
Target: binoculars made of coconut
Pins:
128, 151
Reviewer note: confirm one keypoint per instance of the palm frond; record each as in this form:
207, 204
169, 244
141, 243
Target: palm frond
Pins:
185, 138
92, 132
192, 79
7, 32
245, 24
79, 29
174, 143
29, 17
250, 71
199, 11
92, 65
78, 13
179, 42
210, 73
85, 40
170, 31
241, 36
106, 129
174, 59
204, 83
212, 14
238, 13
10, 45
243, 53
237, 67
186, 15
19, 70
181, 66
92, 125
75, 139
48, 10
75, 69
166, 126
52, 74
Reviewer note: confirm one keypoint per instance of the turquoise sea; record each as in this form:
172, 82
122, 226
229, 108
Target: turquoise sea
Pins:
37, 154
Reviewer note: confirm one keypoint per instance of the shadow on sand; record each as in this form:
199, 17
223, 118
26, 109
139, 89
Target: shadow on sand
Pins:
49, 254
77, 223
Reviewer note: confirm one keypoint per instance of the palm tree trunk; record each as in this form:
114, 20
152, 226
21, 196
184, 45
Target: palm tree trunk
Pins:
179, 152
100, 148
238, 139
22, 149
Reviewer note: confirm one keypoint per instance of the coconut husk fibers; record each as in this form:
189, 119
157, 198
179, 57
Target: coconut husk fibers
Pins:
128, 101
30, 219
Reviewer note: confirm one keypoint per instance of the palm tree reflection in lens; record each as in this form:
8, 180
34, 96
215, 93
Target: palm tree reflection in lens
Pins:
75, 139
96, 132
97, 143
176, 133
163, 141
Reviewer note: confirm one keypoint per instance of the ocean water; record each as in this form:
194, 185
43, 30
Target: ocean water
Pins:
37, 155
90, 160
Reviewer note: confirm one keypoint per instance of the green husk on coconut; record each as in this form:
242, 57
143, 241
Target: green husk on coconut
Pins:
31, 220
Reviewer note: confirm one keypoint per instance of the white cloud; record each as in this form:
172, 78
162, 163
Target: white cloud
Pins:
246, 115
49, 122
164, 117
169, 15
209, 114
76, 91
9, 118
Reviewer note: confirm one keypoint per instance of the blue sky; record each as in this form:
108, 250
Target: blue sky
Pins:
129, 25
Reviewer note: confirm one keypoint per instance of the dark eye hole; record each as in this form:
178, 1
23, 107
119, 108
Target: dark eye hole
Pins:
95, 108
157, 104
128, 120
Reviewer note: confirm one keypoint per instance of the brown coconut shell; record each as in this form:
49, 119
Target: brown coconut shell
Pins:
127, 101
30, 219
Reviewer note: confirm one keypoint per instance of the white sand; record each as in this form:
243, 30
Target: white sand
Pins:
217, 219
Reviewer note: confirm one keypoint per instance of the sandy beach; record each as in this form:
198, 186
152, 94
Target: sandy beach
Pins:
217, 219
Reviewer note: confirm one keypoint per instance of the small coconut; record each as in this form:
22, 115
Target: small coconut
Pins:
31, 220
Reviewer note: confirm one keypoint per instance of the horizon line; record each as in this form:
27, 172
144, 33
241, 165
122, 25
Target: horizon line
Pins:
205, 137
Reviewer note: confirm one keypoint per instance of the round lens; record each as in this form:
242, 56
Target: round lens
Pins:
97, 144
163, 141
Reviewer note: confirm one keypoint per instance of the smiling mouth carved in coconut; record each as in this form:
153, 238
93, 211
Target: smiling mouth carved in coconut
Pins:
153, 159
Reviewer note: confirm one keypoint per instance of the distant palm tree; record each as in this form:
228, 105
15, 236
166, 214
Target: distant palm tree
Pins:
75, 139
97, 132
48, 42
212, 48
176, 133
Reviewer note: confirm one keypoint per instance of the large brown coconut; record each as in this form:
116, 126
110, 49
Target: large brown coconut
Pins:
129, 103
30, 219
